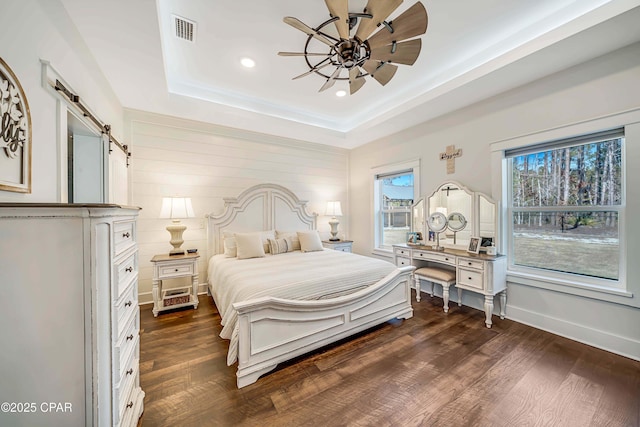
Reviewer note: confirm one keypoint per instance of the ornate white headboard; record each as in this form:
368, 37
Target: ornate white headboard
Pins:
259, 208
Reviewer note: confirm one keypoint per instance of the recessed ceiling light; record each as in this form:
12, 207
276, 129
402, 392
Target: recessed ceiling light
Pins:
248, 62
341, 93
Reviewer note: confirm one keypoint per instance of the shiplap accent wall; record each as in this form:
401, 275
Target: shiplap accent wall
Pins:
175, 157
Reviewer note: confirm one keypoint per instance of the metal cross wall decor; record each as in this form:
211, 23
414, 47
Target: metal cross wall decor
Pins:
450, 156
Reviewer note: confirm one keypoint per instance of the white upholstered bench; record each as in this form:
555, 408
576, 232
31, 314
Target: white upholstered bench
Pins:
440, 276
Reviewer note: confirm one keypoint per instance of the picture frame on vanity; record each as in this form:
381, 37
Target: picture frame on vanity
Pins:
485, 242
432, 236
474, 245
412, 237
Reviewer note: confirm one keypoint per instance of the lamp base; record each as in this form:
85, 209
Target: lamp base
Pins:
334, 229
176, 229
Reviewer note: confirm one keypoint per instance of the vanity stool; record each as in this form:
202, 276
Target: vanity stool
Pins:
440, 276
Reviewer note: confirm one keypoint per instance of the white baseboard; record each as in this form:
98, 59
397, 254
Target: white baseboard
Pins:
145, 298
586, 335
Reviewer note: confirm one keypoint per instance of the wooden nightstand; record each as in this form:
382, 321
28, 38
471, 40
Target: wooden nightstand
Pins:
173, 267
338, 245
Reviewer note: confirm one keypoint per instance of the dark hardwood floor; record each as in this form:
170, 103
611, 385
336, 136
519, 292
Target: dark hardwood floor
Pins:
435, 369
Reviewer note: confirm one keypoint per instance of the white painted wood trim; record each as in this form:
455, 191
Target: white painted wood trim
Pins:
600, 339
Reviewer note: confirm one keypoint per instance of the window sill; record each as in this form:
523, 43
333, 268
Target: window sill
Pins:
602, 293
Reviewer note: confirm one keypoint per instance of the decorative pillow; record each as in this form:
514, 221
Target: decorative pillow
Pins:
230, 247
266, 235
280, 246
310, 241
292, 236
249, 245
271, 234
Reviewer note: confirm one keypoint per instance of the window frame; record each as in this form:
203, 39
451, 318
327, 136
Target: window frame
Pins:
586, 286
389, 170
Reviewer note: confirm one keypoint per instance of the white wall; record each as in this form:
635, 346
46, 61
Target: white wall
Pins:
40, 29
601, 87
174, 157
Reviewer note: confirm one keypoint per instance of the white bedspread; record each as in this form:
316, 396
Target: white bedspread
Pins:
294, 275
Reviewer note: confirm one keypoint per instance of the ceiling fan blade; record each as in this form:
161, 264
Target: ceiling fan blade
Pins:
331, 80
304, 54
299, 25
404, 53
380, 9
413, 22
381, 72
340, 8
314, 69
356, 81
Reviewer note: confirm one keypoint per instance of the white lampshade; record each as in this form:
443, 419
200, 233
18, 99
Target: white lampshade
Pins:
176, 207
333, 208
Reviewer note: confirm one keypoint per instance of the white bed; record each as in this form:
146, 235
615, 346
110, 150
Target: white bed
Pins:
278, 307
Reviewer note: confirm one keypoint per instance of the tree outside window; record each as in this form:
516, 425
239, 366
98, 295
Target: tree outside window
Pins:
565, 207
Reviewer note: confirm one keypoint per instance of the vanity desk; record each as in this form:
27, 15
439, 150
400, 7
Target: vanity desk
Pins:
451, 221
482, 274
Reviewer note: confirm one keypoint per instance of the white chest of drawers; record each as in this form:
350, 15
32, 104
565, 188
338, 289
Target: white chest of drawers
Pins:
69, 313
482, 274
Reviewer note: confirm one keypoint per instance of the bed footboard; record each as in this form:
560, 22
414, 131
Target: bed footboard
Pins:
273, 330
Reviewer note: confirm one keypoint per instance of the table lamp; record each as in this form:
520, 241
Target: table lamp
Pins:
333, 209
176, 208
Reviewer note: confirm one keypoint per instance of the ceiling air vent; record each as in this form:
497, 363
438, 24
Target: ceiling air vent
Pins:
184, 29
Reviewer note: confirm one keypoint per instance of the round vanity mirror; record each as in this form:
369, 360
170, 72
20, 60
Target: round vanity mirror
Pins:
437, 222
456, 221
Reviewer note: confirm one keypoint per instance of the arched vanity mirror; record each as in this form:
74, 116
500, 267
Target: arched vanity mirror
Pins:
468, 214
417, 218
449, 198
487, 221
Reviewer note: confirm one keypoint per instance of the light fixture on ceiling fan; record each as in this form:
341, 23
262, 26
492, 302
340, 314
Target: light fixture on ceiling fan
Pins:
376, 54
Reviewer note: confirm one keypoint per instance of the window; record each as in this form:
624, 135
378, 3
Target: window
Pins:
394, 192
566, 202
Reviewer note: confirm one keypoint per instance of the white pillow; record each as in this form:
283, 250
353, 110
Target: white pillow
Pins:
266, 235
230, 247
280, 246
291, 235
310, 241
249, 245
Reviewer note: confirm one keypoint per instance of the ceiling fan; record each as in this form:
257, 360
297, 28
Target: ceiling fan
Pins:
361, 54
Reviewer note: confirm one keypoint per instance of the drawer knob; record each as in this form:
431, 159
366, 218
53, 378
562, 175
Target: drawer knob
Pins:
130, 371
176, 269
130, 405
470, 278
470, 263
126, 235
130, 337
129, 269
128, 304
446, 259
